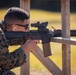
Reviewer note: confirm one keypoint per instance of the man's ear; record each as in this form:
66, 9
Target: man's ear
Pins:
13, 27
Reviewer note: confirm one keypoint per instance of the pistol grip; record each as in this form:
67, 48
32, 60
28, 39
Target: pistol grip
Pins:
47, 49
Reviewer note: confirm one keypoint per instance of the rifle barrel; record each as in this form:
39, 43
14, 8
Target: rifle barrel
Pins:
58, 33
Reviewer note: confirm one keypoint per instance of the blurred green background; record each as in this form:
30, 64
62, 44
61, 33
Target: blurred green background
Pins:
51, 13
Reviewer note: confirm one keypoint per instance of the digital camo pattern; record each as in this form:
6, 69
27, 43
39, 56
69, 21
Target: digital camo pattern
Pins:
3, 72
9, 60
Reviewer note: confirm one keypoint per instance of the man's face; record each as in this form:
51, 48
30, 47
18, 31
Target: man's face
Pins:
19, 26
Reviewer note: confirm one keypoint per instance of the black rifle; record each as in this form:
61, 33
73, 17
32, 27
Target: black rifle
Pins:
42, 33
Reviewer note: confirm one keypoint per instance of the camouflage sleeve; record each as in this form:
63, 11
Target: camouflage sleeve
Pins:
10, 60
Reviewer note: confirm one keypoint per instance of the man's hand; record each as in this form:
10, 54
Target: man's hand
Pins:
30, 45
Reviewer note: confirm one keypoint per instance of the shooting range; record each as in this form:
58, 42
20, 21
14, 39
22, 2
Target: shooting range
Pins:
65, 41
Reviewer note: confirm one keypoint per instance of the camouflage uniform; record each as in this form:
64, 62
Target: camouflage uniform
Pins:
9, 60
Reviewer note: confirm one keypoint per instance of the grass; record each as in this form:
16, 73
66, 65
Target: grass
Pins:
54, 20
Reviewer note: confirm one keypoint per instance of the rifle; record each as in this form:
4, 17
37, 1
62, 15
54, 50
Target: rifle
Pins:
42, 33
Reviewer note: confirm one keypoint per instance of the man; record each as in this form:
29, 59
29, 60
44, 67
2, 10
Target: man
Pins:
15, 19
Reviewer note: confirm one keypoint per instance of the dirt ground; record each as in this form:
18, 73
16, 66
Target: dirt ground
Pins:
46, 73
40, 73
37, 73
43, 73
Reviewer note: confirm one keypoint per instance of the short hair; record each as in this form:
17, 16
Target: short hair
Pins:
15, 14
